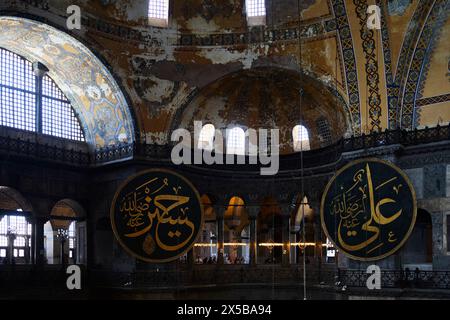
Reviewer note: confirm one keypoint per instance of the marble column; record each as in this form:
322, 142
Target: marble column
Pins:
286, 235
38, 240
317, 234
40, 71
253, 216
30, 248
293, 249
220, 236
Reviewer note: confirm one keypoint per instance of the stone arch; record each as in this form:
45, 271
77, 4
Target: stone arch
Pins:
236, 230
208, 208
240, 195
13, 205
418, 249
415, 69
270, 231
67, 210
97, 99
302, 207
206, 247
11, 199
297, 213
62, 217
236, 217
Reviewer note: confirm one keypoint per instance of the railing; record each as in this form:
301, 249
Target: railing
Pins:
181, 276
398, 279
402, 137
329, 154
168, 276
41, 151
210, 275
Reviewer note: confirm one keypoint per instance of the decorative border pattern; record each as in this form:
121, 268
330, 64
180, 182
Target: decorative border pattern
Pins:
409, 44
392, 92
345, 37
433, 100
414, 74
93, 92
258, 35
310, 29
371, 66
437, 32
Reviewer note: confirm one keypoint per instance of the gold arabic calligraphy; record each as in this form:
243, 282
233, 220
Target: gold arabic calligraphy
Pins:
147, 212
359, 210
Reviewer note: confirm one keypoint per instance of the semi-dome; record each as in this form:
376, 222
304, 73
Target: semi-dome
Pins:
269, 98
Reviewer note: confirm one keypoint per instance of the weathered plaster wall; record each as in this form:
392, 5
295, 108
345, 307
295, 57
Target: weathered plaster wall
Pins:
267, 98
161, 69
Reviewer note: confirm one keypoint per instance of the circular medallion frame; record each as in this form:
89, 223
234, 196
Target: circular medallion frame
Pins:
141, 174
414, 208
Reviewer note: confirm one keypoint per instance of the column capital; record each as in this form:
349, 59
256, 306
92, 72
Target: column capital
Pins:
39, 69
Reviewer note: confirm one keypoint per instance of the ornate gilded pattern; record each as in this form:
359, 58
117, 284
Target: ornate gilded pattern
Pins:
344, 33
157, 215
440, 15
407, 53
412, 80
368, 209
371, 66
391, 88
97, 99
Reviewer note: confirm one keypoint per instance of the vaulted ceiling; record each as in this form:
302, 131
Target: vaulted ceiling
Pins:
397, 76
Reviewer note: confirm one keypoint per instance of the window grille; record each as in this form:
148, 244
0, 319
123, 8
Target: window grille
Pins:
19, 96
301, 138
323, 128
236, 141
158, 12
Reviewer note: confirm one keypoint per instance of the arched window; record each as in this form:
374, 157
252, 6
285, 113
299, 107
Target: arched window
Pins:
16, 228
323, 128
34, 103
300, 136
72, 240
158, 13
256, 12
236, 232
236, 141
206, 137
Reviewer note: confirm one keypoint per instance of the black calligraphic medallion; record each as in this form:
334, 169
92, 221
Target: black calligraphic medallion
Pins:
369, 209
157, 215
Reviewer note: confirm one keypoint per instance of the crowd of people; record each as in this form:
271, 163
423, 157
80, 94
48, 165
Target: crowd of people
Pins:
226, 259
206, 260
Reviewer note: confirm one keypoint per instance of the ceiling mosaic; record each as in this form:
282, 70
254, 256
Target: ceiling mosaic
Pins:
97, 99
396, 77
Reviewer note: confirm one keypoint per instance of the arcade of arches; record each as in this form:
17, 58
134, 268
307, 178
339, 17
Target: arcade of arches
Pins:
83, 110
